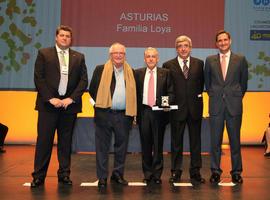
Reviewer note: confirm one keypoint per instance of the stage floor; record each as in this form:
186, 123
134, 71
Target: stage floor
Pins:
16, 166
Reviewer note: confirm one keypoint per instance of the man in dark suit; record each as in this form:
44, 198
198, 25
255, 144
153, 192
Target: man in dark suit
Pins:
226, 76
152, 83
188, 80
61, 78
113, 90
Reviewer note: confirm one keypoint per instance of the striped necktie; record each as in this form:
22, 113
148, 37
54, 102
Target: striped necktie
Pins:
185, 69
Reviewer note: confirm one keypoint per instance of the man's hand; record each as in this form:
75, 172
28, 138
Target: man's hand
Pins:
134, 122
66, 102
166, 109
57, 103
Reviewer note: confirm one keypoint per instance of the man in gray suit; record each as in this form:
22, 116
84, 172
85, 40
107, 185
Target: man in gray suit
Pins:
226, 76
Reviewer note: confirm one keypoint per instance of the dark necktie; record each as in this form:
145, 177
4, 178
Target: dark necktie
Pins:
185, 69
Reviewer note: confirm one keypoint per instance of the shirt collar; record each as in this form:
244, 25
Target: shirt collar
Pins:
118, 70
148, 70
59, 50
228, 54
181, 60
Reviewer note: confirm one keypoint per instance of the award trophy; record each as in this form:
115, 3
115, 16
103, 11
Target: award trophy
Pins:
165, 106
165, 102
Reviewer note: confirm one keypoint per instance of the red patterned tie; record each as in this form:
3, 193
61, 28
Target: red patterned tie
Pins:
151, 90
223, 66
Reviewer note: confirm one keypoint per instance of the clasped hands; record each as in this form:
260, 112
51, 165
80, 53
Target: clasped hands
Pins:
58, 103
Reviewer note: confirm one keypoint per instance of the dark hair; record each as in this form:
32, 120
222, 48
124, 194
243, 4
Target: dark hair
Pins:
221, 32
64, 28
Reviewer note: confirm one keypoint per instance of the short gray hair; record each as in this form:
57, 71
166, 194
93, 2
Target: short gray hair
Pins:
116, 44
183, 38
151, 49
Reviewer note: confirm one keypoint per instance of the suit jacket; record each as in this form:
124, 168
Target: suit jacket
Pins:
230, 91
47, 78
164, 87
94, 84
93, 89
188, 92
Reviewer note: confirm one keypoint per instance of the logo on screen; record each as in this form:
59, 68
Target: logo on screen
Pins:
261, 2
261, 5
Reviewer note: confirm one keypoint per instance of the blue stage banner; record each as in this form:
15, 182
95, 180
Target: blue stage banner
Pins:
249, 23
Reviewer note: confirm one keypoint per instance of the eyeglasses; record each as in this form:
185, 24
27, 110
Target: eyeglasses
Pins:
184, 46
118, 53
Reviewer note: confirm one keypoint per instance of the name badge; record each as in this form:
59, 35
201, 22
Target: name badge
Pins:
64, 70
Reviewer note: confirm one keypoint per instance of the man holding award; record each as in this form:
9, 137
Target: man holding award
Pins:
154, 87
188, 79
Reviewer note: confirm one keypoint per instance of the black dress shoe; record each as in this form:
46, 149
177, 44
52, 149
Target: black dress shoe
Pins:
147, 180
197, 178
215, 178
37, 182
157, 181
236, 178
118, 179
2, 150
267, 154
102, 183
65, 180
175, 177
